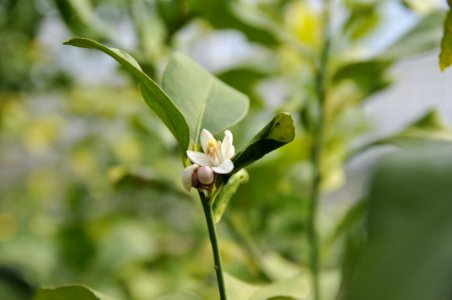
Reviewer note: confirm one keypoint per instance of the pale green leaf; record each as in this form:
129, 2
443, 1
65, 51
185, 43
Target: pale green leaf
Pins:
204, 101
278, 132
69, 292
154, 96
226, 192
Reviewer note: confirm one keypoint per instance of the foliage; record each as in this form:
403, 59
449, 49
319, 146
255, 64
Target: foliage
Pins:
90, 180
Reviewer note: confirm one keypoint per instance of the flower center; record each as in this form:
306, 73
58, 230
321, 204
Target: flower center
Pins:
211, 149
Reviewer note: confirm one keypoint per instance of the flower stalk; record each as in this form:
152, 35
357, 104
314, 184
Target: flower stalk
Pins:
205, 201
215, 159
316, 152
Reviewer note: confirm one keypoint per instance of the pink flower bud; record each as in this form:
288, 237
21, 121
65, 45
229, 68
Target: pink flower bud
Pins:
206, 175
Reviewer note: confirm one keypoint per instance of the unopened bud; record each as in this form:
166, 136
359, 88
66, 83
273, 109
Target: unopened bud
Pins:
206, 175
187, 176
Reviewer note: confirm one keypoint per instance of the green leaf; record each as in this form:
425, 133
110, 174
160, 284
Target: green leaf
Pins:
277, 133
204, 101
294, 288
430, 127
362, 20
408, 255
445, 57
69, 292
424, 36
154, 96
221, 200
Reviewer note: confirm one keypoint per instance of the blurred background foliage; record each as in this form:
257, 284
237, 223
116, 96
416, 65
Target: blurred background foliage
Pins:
89, 178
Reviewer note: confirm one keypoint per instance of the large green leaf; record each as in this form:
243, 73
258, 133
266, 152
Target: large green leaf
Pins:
445, 58
204, 101
277, 133
69, 292
154, 96
221, 200
408, 255
424, 36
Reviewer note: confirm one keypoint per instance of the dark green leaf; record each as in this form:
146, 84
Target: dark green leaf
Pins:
154, 96
204, 101
70, 292
408, 255
424, 36
226, 192
277, 133
445, 58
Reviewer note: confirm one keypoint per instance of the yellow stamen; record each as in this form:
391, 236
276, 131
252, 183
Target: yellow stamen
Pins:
211, 148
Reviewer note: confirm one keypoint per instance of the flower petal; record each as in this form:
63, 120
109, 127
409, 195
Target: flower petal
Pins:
227, 149
226, 167
186, 176
199, 158
206, 137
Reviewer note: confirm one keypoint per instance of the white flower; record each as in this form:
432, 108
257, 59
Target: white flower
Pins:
217, 155
215, 159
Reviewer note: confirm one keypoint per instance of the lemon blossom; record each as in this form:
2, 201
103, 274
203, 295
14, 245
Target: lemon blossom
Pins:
215, 159
217, 155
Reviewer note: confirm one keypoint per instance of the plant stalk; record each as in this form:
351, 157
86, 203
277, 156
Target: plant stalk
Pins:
316, 152
214, 242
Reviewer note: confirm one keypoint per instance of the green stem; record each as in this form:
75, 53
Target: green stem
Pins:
316, 152
214, 242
